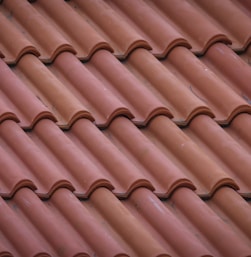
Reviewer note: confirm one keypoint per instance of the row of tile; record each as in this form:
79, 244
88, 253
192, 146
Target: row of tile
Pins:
180, 86
119, 27
160, 157
141, 225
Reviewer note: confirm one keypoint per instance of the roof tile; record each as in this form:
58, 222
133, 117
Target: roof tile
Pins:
17, 102
185, 215
40, 34
125, 128
223, 150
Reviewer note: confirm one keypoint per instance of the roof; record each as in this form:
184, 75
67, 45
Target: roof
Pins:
125, 128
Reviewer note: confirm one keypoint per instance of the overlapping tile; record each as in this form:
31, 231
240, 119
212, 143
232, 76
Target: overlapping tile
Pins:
50, 91
187, 86
17, 102
161, 27
99, 90
224, 150
84, 161
180, 86
121, 106
142, 225
166, 150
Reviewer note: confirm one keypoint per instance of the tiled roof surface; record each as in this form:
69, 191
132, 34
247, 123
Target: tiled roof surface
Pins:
125, 128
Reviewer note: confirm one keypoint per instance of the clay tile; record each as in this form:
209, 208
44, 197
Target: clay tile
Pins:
164, 83
237, 29
27, 164
18, 103
208, 225
164, 174
226, 152
206, 85
122, 37
13, 44
49, 43
124, 176
189, 21
160, 35
89, 89
53, 94
124, 223
74, 30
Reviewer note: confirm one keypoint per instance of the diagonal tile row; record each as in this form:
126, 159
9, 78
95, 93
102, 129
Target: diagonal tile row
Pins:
160, 157
119, 27
141, 225
180, 86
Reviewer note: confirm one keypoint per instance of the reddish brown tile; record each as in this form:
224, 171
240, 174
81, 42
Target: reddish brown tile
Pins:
122, 228
122, 37
224, 150
36, 33
17, 102
50, 91
238, 28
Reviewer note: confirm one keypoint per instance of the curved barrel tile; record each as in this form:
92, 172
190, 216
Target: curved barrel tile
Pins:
13, 44
51, 92
196, 28
17, 102
157, 167
121, 36
206, 85
223, 149
26, 164
222, 13
160, 35
214, 231
86, 86
126, 87
46, 40
230, 68
122, 174
74, 30
163, 82
189, 157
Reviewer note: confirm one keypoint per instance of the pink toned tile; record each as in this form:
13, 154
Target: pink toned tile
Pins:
50, 91
25, 165
190, 22
154, 164
17, 102
222, 13
189, 157
75, 30
122, 37
40, 34
229, 66
226, 152
215, 233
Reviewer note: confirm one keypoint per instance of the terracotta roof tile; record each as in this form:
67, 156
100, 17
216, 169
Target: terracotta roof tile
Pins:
184, 219
125, 128
223, 149
17, 102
